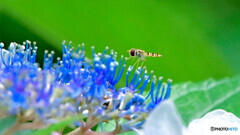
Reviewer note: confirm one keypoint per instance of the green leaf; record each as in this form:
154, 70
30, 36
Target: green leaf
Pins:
110, 126
6, 123
57, 126
193, 100
24, 132
107, 127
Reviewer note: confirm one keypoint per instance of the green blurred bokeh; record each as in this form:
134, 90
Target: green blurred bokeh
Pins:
198, 39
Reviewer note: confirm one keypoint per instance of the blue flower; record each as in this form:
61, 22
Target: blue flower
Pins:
157, 97
74, 86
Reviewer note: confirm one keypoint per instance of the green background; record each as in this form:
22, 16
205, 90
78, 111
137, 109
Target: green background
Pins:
198, 39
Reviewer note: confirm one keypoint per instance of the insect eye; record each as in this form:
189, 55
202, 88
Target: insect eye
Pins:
132, 52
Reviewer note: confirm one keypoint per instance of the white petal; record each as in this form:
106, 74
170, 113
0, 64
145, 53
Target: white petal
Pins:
164, 120
218, 118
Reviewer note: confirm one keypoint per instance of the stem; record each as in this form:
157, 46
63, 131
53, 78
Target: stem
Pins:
85, 130
117, 127
94, 122
2, 115
81, 131
19, 126
75, 131
98, 133
89, 118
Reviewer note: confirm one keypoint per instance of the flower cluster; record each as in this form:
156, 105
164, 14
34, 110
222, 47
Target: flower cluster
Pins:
74, 86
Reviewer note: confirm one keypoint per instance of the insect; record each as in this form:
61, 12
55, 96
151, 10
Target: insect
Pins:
141, 54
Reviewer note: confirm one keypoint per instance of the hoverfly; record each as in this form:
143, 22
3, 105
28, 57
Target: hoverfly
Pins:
141, 54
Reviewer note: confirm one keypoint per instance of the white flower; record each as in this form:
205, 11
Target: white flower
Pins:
164, 120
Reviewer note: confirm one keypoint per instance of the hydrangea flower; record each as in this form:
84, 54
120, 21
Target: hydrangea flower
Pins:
73, 87
165, 120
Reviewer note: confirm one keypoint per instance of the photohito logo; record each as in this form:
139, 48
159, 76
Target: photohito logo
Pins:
223, 128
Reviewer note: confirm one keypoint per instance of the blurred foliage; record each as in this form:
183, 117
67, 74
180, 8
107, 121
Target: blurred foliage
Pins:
198, 39
111, 125
57, 126
6, 123
194, 100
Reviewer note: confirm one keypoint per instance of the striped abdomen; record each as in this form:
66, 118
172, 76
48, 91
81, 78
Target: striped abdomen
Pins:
149, 54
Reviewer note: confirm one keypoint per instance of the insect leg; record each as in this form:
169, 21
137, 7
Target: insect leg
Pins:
136, 62
142, 63
129, 58
133, 58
